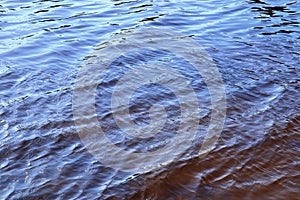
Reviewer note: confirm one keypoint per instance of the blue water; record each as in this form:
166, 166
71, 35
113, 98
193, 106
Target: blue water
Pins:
255, 45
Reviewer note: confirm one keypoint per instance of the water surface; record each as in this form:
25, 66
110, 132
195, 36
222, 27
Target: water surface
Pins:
255, 45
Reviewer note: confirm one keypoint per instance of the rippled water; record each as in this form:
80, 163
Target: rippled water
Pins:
255, 44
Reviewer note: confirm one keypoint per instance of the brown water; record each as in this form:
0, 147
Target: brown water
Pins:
254, 44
